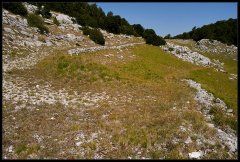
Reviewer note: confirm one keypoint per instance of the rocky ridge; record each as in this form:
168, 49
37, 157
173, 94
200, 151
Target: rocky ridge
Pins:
185, 54
207, 100
214, 46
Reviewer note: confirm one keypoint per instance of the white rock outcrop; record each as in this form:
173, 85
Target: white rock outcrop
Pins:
195, 155
93, 49
186, 54
64, 19
214, 46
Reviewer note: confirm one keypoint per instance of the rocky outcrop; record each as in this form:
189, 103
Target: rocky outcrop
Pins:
64, 19
94, 49
207, 100
30, 8
185, 54
214, 46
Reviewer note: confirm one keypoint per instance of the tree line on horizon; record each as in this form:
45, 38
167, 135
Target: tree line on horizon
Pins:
224, 31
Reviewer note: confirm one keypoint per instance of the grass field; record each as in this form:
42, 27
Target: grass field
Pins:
142, 119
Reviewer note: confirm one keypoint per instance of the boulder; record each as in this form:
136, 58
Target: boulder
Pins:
9, 30
195, 155
30, 8
25, 33
64, 19
49, 22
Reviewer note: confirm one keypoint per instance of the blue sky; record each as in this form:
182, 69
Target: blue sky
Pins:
171, 18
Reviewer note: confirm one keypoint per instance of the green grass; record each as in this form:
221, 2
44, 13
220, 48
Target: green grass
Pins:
221, 119
218, 84
146, 123
154, 65
72, 68
229, 64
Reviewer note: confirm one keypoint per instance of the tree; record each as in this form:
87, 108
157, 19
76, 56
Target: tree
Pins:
139, 29
224, 31
16, 8
167, 36
45, 12
97, 37
112, 25
109, 14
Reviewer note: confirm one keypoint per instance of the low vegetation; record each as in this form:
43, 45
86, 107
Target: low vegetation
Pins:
37, 21
95, 35
55, 21
220, 118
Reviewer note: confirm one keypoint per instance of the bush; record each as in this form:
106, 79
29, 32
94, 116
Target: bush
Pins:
94, 34
45, 11
55, 21
86, 30
139, 29
37, 21
97, 37
155, 40
16, 8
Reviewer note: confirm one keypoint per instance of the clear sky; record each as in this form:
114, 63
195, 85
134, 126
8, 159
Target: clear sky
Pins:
171, 18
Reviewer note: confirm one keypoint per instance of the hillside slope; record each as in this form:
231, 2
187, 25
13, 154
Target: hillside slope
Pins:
65, 97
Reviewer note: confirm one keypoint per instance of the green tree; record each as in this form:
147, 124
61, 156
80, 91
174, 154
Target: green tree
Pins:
37, 21
16, 8
168, 36
97, 36
139, 29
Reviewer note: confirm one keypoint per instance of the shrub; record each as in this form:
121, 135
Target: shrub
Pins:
86, 30
37, 21
155, 40
94, 34
139, 29
45, 11
16, 8
55, 21
97, 37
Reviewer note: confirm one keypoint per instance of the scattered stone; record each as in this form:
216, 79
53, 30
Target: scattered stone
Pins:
48, 21
94, 49
214, 46
9, 30
195, 155
189, 140
64, 19
210, 125
10, 149
77, 44
79, 143
30, 8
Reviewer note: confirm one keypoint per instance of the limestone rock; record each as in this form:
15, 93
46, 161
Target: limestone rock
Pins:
195, 155
64, 19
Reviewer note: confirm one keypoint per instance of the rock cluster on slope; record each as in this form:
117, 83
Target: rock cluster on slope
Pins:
186, 54
227, 137
94, 49
214, 46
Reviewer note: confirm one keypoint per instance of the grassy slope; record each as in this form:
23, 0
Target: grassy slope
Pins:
215, 82
146, 123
